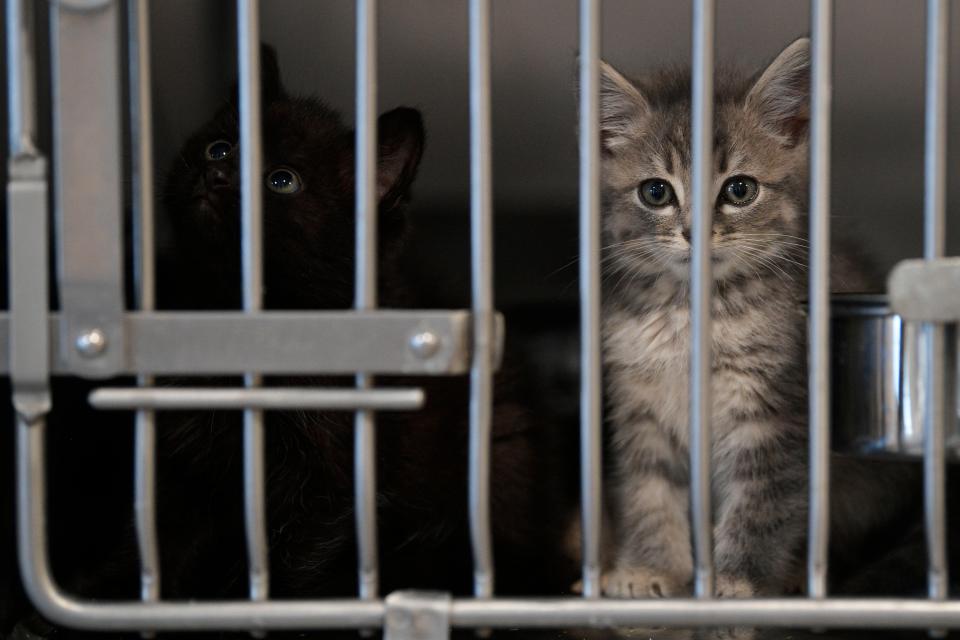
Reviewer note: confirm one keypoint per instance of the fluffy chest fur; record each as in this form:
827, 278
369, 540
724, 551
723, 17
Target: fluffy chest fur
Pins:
757, 338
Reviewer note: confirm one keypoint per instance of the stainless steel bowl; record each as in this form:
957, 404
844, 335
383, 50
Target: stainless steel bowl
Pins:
877, 380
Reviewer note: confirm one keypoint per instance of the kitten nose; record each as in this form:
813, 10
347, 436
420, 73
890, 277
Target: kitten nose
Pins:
216, 178
685, 232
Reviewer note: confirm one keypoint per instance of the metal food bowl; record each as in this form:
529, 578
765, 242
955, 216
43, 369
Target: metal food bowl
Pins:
877, 377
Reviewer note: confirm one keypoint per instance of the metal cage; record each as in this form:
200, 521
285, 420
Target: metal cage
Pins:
93, 336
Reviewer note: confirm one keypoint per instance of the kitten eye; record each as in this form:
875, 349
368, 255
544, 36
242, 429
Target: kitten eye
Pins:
284, 180
656, 192
218, 150
740, 190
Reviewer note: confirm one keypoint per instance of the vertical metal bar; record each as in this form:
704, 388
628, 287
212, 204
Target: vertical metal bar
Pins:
27, 225
87, 122
481, 237
255, 512
141, 139
590, 364
701, 286
819, 321
27, 252
365, 445
934, 237
21, 88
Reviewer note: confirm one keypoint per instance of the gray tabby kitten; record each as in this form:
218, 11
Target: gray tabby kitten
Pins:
759, 353
758, 379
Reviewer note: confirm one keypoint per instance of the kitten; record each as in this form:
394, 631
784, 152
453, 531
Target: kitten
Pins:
759, 422
422, 456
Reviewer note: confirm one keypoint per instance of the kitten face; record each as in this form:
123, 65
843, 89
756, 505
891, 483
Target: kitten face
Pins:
308, 193
760, 171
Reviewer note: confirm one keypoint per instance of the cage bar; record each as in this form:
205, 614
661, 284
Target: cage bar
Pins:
934, 240
872, 613
701, 285
365, 446
590, 362
29, 355
819, 317
141, 139
210, 398
481, 240
251, 169
21, 79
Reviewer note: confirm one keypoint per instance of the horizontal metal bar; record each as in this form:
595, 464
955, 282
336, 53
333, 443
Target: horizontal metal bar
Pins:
505, 613
926, 290
781, 612
346, 399
277, 342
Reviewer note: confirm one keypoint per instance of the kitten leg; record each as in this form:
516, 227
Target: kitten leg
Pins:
653, 556
761, 474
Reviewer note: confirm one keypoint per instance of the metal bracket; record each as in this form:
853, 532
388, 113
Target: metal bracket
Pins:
389, 342
28, 332
926, 290
86, 72
417, 615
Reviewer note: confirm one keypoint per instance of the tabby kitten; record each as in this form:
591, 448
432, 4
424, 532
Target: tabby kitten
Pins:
759, 414
759, 423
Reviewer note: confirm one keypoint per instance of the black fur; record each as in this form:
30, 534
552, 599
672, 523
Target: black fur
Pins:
309, 264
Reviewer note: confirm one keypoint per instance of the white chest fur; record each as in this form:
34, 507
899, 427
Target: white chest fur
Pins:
648, 363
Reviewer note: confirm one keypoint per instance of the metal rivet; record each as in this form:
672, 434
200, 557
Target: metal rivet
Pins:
91, 343
425, 344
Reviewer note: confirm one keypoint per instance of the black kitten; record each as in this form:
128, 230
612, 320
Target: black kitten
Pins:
308, 162
422, 456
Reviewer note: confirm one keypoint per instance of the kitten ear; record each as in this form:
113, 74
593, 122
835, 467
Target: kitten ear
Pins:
271, 84
622, 108
781, 95
401, 139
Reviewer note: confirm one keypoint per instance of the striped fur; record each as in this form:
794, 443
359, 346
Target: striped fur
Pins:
759, 393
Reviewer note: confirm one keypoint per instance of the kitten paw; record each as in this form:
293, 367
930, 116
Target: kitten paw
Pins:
729, 587
639, 583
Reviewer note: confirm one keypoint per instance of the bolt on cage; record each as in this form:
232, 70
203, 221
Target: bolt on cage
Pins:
92, 336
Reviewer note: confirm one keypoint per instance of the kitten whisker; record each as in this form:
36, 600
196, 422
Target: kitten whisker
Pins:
766, 261
775, 256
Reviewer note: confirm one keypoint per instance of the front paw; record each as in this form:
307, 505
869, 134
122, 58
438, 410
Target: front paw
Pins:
731, 587
640, 583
